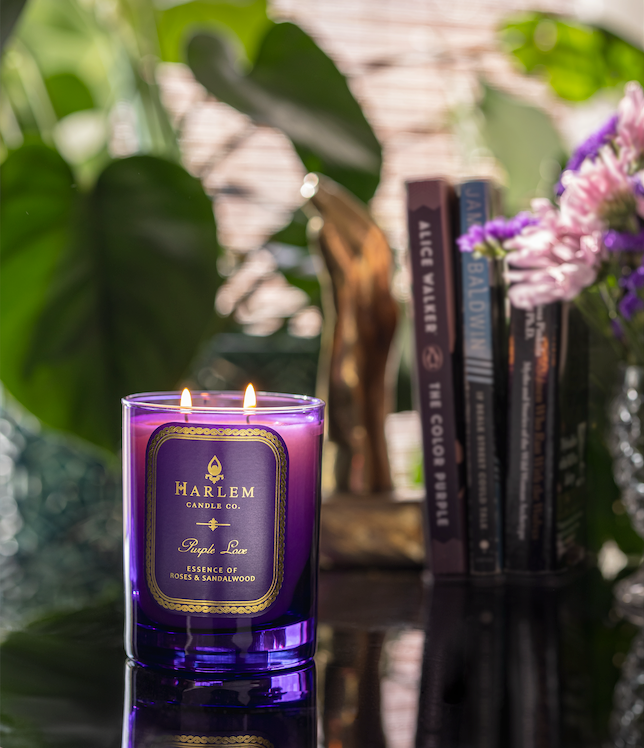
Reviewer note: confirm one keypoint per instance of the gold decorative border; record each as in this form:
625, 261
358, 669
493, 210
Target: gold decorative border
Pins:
214, 434
252, 741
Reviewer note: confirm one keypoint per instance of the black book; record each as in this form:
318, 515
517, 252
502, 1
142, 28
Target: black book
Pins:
548, 398
431, 213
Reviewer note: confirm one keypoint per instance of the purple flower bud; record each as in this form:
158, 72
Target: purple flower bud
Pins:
589, 149
638, 187
637, 277
465, 242
633, 281
496, 231
630, 304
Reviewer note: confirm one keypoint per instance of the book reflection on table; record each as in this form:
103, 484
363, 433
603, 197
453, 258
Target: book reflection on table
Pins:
504, 666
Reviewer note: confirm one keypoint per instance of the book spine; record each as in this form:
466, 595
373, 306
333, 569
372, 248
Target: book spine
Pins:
574, 360
430, 212
534, 412
484, 382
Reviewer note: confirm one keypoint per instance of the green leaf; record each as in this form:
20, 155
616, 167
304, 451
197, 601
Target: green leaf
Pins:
297, 89
10, 11
103, 294
577, 59
294, 232
68, 94
246, 21
62, 683
524, 140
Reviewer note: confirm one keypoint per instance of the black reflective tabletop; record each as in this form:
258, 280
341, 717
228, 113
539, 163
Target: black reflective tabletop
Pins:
400, 663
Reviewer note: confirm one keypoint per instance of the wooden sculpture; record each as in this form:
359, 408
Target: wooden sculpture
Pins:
360, 265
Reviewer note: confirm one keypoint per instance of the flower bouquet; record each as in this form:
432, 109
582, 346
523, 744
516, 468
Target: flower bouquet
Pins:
591, 239
588, 246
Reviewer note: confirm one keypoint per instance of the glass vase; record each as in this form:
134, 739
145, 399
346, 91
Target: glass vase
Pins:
627, 718
626, 444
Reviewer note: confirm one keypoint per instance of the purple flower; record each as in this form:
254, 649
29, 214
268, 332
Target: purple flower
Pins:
637, 278
589, 149
633, 281
631, 301
630, 304
638, 187
624, 241
493, 233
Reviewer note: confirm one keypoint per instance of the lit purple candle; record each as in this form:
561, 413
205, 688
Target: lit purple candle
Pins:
221, 529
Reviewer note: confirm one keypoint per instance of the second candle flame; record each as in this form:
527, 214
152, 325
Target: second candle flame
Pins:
250, 401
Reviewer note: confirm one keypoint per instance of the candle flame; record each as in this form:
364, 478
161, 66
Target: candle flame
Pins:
250, 401
186, 399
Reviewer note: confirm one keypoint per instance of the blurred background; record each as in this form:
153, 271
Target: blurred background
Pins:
153, 153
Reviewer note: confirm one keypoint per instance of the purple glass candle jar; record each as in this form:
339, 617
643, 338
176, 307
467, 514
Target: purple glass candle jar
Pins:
221, 509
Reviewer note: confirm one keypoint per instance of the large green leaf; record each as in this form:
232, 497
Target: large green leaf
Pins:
525, 141
295, 87
68, 94
245, 21
103, 294
10, 11
578, 60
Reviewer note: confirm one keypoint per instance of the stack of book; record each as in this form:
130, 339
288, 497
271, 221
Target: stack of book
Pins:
502, 395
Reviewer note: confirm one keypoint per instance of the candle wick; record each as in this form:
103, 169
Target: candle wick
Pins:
248, 418
186, 417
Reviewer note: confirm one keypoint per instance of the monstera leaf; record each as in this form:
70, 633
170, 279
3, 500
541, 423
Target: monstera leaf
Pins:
104, 293
245, 22
297, 89
578, 59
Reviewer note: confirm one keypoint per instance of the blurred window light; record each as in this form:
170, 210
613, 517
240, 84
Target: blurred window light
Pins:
81, 135
611, 560
123, 140
307, 323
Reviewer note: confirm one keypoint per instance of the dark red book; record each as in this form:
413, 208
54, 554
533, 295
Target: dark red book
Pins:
432, 213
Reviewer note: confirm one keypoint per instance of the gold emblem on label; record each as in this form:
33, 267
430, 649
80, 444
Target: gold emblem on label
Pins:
214, 470
213, 524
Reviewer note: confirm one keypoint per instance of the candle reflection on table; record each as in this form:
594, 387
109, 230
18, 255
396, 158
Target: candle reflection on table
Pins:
175, 710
